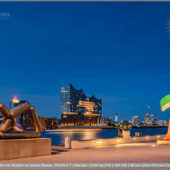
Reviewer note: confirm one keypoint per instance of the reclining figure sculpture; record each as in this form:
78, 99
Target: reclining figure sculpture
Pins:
8, 123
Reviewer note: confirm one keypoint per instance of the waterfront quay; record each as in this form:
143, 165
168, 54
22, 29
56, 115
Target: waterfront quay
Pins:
146, 152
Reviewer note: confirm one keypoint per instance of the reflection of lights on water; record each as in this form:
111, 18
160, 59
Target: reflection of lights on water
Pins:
62, 132
72, 130
153, 145
83, 134
89, 135
118, 140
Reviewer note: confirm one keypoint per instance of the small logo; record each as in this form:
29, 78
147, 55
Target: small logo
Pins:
4, 15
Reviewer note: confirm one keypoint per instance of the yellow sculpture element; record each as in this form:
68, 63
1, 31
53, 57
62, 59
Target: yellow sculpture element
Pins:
8, 126
165, 107
167, 137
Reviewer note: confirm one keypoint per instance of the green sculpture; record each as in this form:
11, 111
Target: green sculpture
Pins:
165, 102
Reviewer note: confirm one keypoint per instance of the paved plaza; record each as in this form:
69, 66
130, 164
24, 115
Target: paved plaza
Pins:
122, 153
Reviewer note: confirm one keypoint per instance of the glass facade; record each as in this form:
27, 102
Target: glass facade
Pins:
76, 102
65, 100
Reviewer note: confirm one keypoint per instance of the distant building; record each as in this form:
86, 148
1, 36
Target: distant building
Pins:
78, 109
148, 118
25, 119
14, 102
79, 120
48, 123
125, 124
157, 122
108, 121
100, 121
135, 121
116, 117
163, 123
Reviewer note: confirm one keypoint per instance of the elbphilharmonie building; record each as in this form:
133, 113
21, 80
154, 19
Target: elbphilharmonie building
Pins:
76, 105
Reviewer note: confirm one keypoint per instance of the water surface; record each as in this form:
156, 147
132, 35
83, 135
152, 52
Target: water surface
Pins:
58, 135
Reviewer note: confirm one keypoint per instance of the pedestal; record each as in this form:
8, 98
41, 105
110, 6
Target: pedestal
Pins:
22, 148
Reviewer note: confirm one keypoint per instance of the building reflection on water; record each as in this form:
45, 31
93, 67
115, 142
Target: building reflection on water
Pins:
58, 136
83, 134
90, 134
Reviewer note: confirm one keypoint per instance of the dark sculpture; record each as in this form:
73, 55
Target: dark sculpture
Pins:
8, 126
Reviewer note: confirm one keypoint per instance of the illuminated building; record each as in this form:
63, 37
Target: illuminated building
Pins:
78, 109
15, 102
116, 117
48, 123
76, 102
88, 106
148, 118
135, 120
157, 122
107, 121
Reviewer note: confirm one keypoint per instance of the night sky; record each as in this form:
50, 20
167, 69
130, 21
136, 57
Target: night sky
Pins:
117, 51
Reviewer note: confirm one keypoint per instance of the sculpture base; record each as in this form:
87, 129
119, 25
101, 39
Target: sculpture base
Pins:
22, 148
163, 142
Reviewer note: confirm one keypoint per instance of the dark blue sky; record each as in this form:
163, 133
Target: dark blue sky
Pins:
117, 51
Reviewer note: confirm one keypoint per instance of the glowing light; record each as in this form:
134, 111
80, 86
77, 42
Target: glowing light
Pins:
158, 136
99, 142
15, 100
88, 105
64, 116
147, 137
153, 145
134, 138
118, 140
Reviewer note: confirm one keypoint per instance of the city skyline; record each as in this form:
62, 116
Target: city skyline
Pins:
112, 50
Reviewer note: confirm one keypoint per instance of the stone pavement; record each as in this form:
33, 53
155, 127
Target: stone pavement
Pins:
122, 153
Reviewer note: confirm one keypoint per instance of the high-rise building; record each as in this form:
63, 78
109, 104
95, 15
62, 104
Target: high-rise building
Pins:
76, 102
116, 117
148, 118
78, 109
135, 120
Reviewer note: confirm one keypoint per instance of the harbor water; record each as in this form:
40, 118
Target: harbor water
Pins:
58, 135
